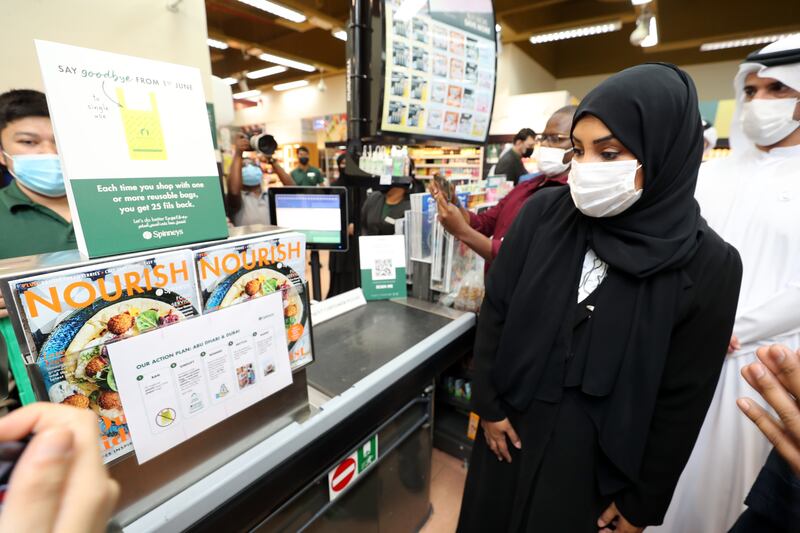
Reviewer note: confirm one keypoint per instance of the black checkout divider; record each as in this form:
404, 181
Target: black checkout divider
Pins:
294, 495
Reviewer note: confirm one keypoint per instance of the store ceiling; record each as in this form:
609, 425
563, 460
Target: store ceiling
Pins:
683, 26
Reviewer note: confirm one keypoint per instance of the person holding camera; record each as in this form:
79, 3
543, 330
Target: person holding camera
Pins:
246, 199
305, 175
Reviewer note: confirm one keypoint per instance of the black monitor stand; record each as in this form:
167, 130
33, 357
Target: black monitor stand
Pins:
315, 276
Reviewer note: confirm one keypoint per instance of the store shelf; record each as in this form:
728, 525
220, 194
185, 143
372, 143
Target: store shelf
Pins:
446, 398
450, 433
451, 178
444, 165
446, 156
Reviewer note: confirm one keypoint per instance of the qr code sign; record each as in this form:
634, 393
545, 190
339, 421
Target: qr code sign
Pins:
383, 270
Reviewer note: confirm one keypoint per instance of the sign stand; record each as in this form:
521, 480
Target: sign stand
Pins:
315, 275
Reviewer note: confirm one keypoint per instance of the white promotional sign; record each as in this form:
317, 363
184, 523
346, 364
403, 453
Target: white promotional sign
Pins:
136, 149
179, 381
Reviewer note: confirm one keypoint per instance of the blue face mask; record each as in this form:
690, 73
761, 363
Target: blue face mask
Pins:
40, 173
251, 175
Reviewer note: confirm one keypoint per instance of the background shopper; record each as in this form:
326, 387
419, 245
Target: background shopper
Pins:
385, 205
484, 232
752, 198
305, 175
510, 163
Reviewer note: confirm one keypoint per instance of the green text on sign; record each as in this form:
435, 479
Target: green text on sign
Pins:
120, 215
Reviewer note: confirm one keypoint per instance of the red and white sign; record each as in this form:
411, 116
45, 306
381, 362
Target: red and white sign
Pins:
347, 472
343, 475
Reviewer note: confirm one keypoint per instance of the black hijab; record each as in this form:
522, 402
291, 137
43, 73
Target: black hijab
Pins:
652, 110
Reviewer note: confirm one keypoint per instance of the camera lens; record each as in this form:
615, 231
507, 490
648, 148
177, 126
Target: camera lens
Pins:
264, 143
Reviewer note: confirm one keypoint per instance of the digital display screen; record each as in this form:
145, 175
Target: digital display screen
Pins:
440, 68
317, 216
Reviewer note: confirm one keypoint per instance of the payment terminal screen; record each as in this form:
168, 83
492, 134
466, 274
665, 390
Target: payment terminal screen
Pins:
318, 216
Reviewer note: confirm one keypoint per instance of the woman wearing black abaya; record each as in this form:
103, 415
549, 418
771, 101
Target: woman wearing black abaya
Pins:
607, 316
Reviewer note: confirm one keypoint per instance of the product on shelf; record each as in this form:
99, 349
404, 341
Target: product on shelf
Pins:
455, 164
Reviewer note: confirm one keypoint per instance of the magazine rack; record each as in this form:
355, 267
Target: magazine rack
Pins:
149, 484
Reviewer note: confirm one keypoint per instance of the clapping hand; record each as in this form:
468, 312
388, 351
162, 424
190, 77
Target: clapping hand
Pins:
777, 379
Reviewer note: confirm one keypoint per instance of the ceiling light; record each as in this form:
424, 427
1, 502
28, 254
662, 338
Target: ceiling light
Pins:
747, 41
276, 9
264, 72
571, 33
231, 81
278, 60
220, 45
498, 28
652, 35
640, 2
291, 85
247, 94
340, 34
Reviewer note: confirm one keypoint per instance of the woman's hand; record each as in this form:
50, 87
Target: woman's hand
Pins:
454, 220
59, 483
612, 517
3, 310
496, 433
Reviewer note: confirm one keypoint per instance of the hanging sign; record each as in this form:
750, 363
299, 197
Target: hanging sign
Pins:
136, 150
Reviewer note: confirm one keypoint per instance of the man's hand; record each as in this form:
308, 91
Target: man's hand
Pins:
3, 309
734, 345
777, 380
496, 433
455, 220
612, 517
59, 483
242, 144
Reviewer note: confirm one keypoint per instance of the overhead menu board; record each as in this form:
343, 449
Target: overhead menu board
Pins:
440, 68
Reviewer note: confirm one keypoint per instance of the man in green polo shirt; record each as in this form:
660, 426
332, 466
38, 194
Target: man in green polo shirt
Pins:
305, 175
34, 212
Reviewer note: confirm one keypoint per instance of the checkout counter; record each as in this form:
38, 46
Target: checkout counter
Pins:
268, 468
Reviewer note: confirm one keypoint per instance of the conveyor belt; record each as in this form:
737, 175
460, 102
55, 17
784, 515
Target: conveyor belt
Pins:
352, 346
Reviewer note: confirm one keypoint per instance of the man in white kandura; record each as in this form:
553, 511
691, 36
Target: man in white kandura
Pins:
752, 199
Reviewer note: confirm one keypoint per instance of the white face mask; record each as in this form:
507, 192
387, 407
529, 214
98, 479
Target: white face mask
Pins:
768, 121
604, 189
551, 161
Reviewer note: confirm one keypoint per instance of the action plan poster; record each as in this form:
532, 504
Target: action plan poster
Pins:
176, 384
136, 150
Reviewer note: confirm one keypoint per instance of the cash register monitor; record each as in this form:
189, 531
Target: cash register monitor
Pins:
318, 212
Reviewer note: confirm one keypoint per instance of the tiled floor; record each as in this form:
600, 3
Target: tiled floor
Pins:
447, 486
